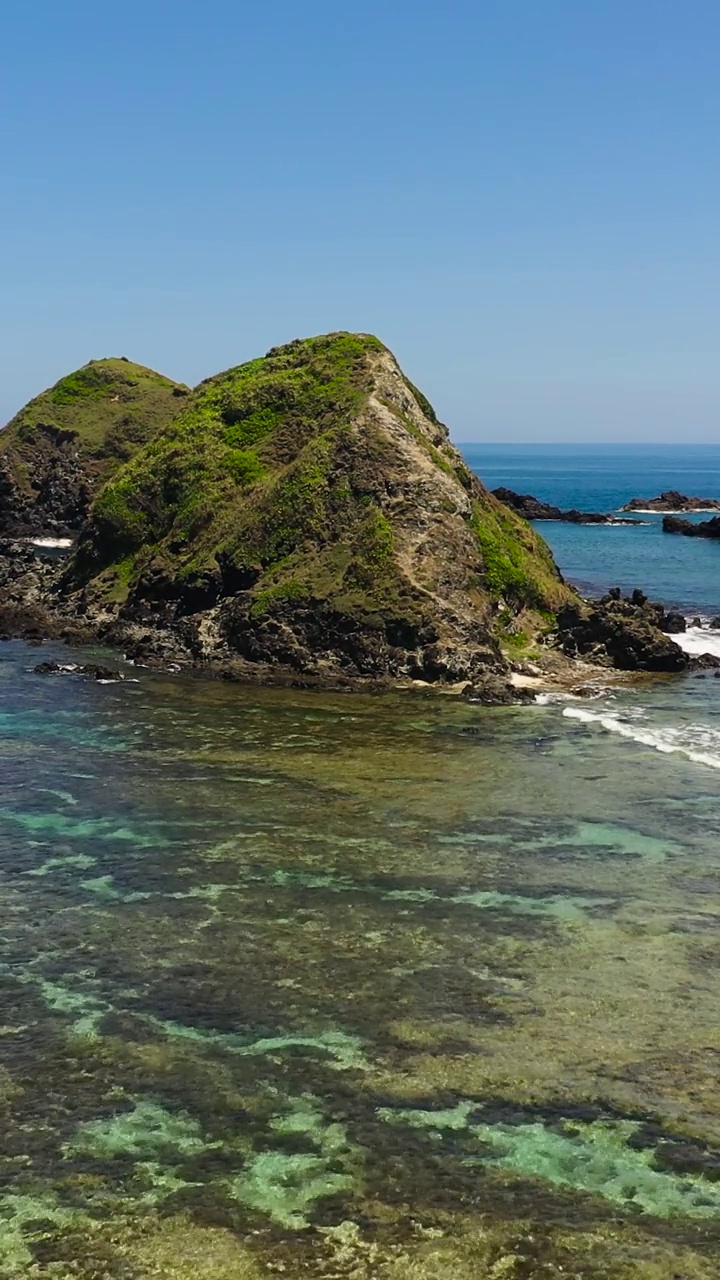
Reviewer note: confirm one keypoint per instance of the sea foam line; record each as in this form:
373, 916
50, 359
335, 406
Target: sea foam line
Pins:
666, 740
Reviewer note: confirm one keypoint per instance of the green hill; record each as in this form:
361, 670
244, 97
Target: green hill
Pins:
58, 449
308, 510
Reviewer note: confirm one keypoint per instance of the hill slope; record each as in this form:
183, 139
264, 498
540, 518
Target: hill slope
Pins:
58, 449
307, 509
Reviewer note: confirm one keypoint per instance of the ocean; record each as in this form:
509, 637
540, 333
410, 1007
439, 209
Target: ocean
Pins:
683, 573
388, 987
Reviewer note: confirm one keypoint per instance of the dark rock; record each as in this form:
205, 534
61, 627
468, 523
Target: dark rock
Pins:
497, 691
715, 623
60, 447
703, 662
672, 500
90, 669
673, 623
619, 633
534, 509
696, 622
703, 529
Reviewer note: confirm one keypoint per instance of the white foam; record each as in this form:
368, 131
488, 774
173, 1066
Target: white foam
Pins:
51, 542
685, 740
697, 640
679, 511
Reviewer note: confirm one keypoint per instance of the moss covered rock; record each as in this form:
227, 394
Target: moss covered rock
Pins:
56, 451
307, 511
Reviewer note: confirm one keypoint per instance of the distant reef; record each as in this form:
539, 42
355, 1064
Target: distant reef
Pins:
532, 508
301, 518
691, 529
672, 501
58, 450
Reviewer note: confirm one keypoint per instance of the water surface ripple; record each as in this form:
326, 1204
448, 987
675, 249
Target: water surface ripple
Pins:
354, 986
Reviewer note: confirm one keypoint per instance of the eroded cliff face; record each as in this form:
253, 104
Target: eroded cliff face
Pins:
58, 450
308, 511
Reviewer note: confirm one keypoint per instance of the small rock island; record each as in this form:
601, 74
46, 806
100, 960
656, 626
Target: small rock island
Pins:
672, 501
691, 529
303, 518
532, 508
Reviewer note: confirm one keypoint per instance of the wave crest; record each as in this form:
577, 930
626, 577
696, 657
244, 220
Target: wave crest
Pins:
698, 743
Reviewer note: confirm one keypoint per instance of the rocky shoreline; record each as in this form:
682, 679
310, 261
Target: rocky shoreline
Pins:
594, 644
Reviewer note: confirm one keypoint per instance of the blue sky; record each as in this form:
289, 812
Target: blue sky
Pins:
520, 198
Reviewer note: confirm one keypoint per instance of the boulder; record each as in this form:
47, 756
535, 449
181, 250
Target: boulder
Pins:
620, 633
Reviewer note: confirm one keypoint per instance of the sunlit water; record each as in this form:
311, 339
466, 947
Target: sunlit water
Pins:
317, 985
680, 571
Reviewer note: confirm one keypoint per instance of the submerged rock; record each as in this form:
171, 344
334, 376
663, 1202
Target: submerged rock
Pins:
91, 669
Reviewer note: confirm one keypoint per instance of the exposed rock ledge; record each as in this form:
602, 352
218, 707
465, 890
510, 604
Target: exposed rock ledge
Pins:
672, 502
532, 508
622, 632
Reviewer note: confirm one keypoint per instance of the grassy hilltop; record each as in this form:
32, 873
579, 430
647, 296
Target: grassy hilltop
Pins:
58, 449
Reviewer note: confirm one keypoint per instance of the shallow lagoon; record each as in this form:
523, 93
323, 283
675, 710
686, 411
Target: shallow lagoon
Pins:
318, 985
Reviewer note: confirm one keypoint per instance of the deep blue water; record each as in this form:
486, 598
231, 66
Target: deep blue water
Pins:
679, 571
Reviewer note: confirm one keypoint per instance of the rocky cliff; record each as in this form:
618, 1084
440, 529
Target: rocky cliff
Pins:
307, 511
56, 451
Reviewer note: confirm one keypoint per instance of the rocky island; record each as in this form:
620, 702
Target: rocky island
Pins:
703, 528
301, 517
532, 508
673, 502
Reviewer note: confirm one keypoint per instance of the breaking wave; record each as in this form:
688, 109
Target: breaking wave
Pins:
697, 640
698, 743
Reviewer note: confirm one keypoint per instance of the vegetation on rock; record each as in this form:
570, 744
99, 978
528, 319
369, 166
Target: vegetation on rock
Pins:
66, 441
312, 499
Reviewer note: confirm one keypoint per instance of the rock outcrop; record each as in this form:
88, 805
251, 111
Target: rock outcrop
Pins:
302, 518
672, 501
691, 529
532, 508
57, 451
627, 633
307, 512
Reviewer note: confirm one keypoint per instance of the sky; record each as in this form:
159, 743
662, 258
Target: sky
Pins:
519, 197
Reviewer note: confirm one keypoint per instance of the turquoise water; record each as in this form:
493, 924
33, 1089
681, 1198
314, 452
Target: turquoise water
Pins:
681, 571
376, 987
354, 986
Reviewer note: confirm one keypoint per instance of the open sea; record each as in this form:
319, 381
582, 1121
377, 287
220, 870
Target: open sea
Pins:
376, 987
